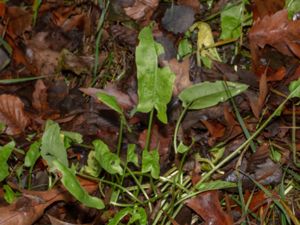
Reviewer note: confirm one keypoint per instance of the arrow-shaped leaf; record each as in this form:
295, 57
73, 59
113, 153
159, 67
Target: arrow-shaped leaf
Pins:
154, 84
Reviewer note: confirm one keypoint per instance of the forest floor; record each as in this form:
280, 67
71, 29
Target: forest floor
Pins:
153, 112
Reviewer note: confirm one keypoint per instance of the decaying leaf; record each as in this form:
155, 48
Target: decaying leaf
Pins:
207, 206
39, 96
182, 71
141, 9
31, 205
12, 114
275, 30
268, 7
257, 103
125, 101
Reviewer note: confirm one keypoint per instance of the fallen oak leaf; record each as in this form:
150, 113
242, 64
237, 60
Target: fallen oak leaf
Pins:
277, 31
207, 205
12, 114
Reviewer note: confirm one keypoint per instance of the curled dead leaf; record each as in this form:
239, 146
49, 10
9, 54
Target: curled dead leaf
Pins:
12, 114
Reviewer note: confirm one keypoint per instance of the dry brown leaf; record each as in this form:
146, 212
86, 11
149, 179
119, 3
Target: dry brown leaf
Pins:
277, 75
12, 114
125, 101
267, 7
257, 103
142, 9
182, 71
39, 96
277, 31
19, 21
215, 129
207, 206
31, 205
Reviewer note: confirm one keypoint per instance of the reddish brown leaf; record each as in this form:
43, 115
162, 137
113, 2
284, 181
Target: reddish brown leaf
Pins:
257, 103
19, 21
267, 7
182, 71
39, 96
2, 9
215, 129
275, 30
277, 75
31, 205
12, 114
207, 205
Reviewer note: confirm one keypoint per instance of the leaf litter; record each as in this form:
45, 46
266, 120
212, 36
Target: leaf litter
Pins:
144, 111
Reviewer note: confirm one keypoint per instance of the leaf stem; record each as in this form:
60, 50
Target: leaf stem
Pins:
147, 145
177, 128
120, 138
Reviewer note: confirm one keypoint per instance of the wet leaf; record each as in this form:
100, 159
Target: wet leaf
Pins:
207, 206
207, 94
277, 31
150, 163
154, 83
5, 152
109, 161
12, 114
71, 183
52, 147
